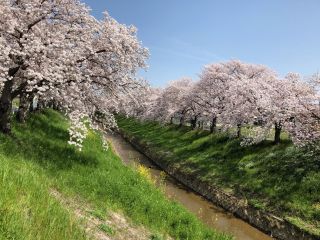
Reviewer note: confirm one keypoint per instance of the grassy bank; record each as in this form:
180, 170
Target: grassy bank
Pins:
37, 158
279, 178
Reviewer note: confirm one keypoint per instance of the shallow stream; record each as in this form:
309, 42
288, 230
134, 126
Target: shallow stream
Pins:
210, 214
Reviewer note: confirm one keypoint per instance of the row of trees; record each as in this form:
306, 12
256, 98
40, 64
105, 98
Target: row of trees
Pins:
56, 52
233, 95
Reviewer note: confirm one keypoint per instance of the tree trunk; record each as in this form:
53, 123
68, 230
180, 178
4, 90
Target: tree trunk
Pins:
23, 108
6, 107
40, 105
277, 133
31, 107
194, 122
213, 125
239, 131
55, 105
181, 121
171, 120
50, 104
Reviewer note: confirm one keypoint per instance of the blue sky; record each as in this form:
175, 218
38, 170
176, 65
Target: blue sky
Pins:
185, 35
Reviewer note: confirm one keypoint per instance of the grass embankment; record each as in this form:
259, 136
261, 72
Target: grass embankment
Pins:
37, 159
279, 178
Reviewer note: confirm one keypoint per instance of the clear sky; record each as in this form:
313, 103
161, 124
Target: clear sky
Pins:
185, 35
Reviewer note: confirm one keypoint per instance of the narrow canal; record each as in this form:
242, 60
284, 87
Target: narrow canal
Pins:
213, 216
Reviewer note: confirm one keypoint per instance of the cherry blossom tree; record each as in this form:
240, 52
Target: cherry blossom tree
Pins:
39, 42
247, 93
155, 105
57, 51
231, 91
194, 110
238, 94
209, 92
171, 102
305, 127
283, 102
241, 93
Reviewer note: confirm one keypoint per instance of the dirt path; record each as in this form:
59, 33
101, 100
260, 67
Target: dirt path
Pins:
113, 227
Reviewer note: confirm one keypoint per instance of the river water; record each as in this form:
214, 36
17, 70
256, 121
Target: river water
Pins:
210, 214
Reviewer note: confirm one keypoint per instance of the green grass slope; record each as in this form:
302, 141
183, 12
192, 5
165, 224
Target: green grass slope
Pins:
278, 178
37, 158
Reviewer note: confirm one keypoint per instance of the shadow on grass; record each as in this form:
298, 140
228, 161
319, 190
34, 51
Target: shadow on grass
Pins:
278, 173
46, 134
